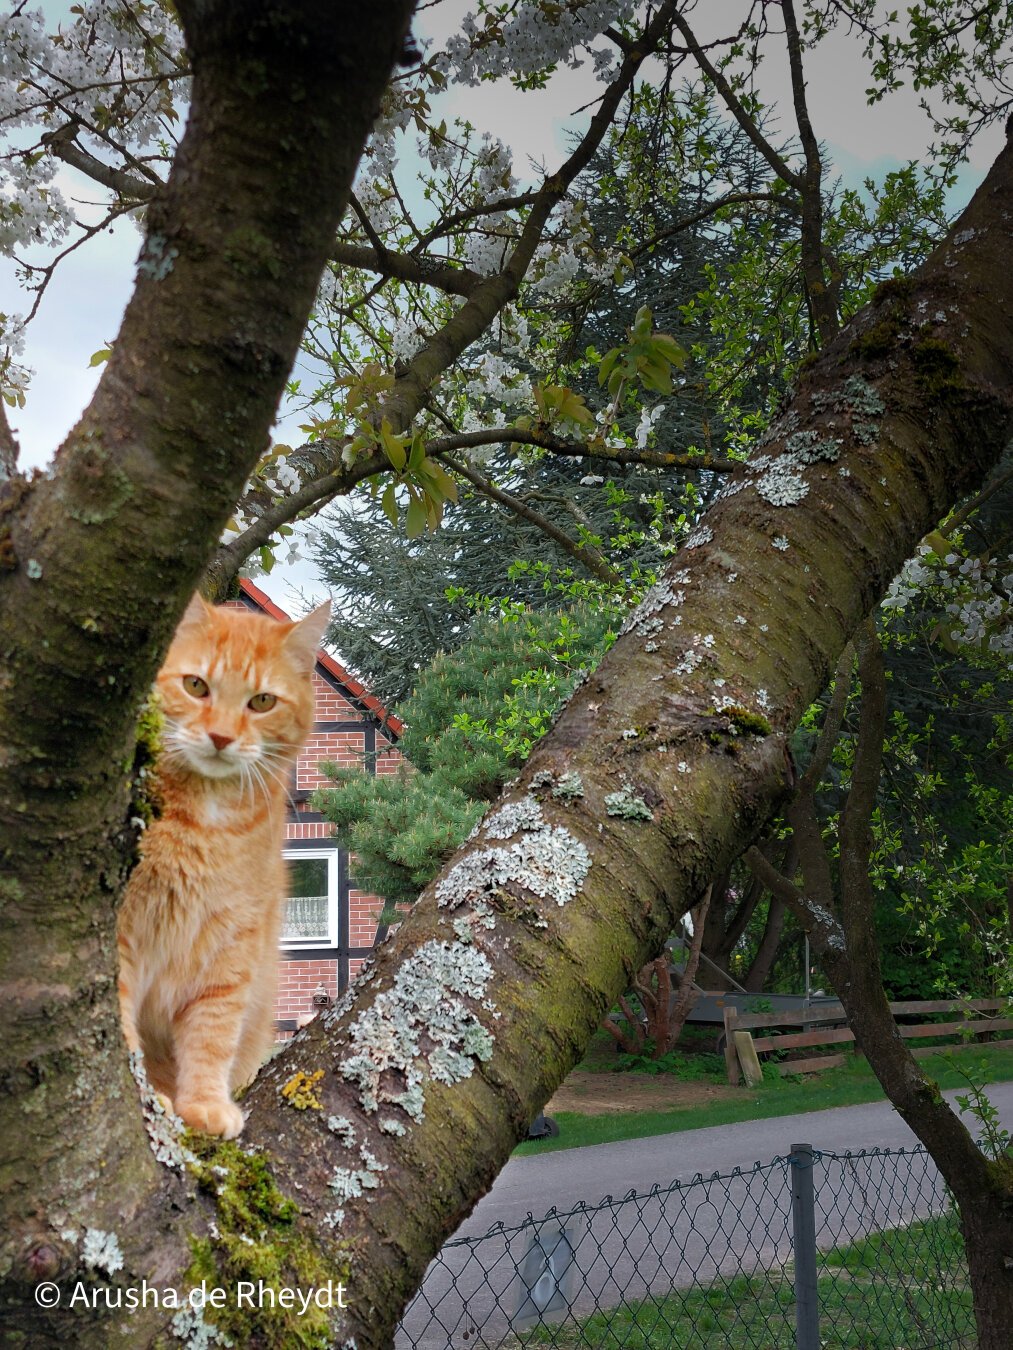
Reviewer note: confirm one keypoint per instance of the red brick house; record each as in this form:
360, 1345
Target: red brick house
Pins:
331, 919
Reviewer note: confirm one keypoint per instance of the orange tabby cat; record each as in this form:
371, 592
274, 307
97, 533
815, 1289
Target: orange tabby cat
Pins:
199, 927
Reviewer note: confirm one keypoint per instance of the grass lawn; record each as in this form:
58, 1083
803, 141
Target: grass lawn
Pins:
904, 1288
848, 1085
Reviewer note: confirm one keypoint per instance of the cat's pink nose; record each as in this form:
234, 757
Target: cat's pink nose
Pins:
220, 742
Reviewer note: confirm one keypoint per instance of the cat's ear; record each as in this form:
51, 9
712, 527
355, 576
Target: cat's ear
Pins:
304, 639
196, 614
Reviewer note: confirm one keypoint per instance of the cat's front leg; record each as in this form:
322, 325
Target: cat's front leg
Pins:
128, 1004
206, 1034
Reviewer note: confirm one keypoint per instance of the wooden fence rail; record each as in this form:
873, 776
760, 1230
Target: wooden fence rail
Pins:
743, 1049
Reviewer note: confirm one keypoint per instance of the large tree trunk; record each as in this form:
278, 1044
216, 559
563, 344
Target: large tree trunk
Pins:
98, 562
479, 1005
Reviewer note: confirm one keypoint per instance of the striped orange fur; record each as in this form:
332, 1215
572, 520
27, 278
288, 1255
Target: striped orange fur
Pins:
199, 927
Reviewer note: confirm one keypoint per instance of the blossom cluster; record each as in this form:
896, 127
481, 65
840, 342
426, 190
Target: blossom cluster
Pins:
115, 72
535, 37
974, 591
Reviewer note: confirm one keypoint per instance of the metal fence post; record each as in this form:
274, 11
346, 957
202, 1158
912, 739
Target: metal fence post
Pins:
803, 1224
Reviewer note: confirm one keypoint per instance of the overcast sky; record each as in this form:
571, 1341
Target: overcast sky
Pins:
82, 309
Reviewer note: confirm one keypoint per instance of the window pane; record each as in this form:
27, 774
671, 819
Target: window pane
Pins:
307, 910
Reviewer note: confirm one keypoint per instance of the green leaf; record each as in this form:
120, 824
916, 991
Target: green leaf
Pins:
389, 503
416, 522
605, 369
657, 376
642, 323
417, 453
101, 356
393, 446
573, 408
669, 349
443, 486
266, 558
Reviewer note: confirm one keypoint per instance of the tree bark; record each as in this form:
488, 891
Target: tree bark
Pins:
759, 969
98, 560
422, 1081
687, 994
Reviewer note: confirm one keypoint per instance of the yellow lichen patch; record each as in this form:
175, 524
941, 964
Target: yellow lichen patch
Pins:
298, 1091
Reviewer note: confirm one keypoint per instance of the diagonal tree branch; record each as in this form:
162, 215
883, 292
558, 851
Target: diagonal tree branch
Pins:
420, 268
627, 873
778, 199
325, 476
468, 214
776, 161
586, 554
271, 513
821, 296
126, 185
832, 722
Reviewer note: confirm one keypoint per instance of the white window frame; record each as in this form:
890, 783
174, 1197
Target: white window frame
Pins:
331, 857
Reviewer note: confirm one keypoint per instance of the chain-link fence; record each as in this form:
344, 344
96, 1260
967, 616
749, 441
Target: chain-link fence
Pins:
859, 1251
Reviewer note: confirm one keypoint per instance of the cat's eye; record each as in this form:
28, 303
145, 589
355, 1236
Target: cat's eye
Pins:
263, 702
193, 684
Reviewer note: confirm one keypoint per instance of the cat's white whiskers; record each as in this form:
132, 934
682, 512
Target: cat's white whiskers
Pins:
256, 779
278, 765
258, 776
245, 777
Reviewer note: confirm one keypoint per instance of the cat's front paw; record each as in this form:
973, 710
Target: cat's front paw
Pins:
220, 1117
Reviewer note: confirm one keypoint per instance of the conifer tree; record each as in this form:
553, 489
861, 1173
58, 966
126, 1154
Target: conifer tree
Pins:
470, 724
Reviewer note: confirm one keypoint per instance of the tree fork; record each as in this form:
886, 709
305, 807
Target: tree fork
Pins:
677, 745
662, 768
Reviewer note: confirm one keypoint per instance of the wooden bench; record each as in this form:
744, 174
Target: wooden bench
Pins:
822, 1025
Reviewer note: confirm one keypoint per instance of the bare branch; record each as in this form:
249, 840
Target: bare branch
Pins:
125, 185
585, 554
470, 213
780, 165
711, 209
49, 270
271, 512
855, 832
423, 269
817, 921
957, 518
659, 459
821, 301
325, 477
832, 721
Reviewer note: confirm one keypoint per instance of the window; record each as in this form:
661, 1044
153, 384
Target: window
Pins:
311, 911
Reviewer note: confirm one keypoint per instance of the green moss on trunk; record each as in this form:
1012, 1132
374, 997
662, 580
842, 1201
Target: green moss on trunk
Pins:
260, 1236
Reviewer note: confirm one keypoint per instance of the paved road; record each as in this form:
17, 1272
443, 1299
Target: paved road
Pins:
680, 1228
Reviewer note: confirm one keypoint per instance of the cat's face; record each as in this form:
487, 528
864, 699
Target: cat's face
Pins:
236, 690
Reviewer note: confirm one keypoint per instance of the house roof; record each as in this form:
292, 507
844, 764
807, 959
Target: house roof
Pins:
331, 669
